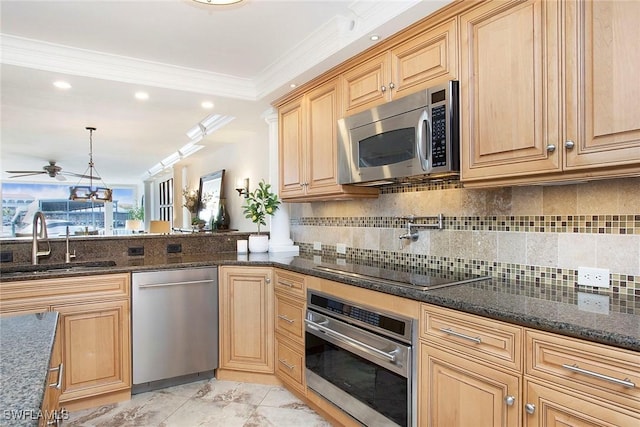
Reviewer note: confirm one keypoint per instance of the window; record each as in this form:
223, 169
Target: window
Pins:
166, 200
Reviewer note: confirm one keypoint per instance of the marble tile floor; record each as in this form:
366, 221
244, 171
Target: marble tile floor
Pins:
204, 403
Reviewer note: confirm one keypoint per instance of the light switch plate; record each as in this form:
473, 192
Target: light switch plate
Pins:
341, 248
596, 277
317, 246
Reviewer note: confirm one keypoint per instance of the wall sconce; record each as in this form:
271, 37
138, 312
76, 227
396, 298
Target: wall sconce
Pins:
242, 187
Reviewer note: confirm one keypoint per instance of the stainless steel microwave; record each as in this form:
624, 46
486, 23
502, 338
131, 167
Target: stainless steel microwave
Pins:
415, 137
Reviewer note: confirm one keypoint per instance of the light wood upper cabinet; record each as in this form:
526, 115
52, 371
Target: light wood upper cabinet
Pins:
308, 148
602, 83
549, 91
246, 319
510, 88
417, 63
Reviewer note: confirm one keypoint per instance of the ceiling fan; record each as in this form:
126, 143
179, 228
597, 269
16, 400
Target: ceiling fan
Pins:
53, 170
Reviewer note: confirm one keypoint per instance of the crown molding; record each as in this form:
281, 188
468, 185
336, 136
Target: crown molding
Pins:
46, 56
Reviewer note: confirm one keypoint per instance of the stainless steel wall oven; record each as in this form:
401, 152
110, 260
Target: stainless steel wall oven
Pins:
361, 359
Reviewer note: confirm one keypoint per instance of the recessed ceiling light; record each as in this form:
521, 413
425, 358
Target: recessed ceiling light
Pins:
62, 84
217, 2
374, 37
207, 104
292, 85
142, 96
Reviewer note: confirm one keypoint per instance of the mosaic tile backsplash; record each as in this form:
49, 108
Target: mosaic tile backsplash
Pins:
535, 234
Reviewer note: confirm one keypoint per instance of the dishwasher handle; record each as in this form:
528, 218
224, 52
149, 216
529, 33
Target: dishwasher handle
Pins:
162, 285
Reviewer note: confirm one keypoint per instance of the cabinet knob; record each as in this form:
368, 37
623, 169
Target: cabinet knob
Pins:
551, 148
391, 85
510, 400
267, 279
383, 88
530, 408
569, 145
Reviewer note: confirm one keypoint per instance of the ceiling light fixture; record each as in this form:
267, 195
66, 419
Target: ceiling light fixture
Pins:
142, 96
88, 192
374, 38
208, 105
62, 85
217, 2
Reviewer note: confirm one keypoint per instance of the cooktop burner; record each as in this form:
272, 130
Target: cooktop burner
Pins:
420, 281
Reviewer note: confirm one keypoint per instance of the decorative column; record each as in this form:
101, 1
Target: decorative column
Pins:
279, 224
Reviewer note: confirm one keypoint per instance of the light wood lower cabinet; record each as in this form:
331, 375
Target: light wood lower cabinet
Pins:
55, 381
290, 301
95, 349
246, 319
93, 334
456, 391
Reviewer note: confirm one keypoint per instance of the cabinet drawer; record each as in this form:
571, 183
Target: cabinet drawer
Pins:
290, 318
289, 364
598, 370
490, 340
290, 283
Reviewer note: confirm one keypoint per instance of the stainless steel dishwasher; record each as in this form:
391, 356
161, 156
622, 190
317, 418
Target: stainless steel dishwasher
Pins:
175, 326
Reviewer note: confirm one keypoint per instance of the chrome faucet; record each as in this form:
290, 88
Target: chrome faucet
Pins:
68, 256
41, 234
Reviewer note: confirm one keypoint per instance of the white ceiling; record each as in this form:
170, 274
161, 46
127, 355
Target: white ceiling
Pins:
239, 57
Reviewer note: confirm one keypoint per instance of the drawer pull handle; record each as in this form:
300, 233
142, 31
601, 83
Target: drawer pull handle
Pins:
60, 369
448, 331
284, 362
285, 318
283, 283
625, 382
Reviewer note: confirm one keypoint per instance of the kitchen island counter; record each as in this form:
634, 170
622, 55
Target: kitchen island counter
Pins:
26, 342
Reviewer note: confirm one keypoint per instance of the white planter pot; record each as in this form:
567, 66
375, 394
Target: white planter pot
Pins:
258, 243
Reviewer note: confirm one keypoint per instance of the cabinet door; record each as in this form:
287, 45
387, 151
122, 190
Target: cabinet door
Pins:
322, 171
50, 403
96, 350
456, 392
425, 60
559, 408
602, 84
291, 153
510, 89
246, 319
366, 85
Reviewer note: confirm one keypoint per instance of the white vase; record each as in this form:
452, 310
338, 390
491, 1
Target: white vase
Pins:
258, 243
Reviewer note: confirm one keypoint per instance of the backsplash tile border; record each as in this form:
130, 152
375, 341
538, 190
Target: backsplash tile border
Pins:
557, 284
588, 224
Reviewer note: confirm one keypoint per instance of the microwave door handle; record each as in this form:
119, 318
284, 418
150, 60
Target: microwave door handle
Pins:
423, 139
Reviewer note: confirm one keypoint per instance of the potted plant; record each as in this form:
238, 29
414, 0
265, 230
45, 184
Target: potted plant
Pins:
136, 217
260, 203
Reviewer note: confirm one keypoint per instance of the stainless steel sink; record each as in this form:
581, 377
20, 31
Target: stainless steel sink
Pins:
52, 268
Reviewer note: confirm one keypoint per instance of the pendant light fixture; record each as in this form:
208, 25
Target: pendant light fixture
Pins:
89, 192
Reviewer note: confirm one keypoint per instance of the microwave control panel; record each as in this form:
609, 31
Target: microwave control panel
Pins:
439, 136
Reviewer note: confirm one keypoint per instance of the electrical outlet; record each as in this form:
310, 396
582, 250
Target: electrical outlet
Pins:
317, 246
341, 248
593, 302
597, 277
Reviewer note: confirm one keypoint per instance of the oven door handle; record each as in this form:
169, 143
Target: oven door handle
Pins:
348, 340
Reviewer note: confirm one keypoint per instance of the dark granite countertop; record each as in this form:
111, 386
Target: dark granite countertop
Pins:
528, 304
25, 354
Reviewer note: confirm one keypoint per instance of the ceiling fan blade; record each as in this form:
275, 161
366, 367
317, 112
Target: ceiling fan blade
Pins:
80, 175
61, 177
25, 171
26, 174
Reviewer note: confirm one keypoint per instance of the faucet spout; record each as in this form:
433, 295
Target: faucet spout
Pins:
39, 234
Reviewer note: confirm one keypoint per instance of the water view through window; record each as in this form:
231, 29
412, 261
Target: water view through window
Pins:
21, 200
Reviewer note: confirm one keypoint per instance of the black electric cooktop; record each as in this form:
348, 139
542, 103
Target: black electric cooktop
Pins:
424, 281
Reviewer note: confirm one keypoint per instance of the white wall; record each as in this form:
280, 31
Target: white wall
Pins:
249, 158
